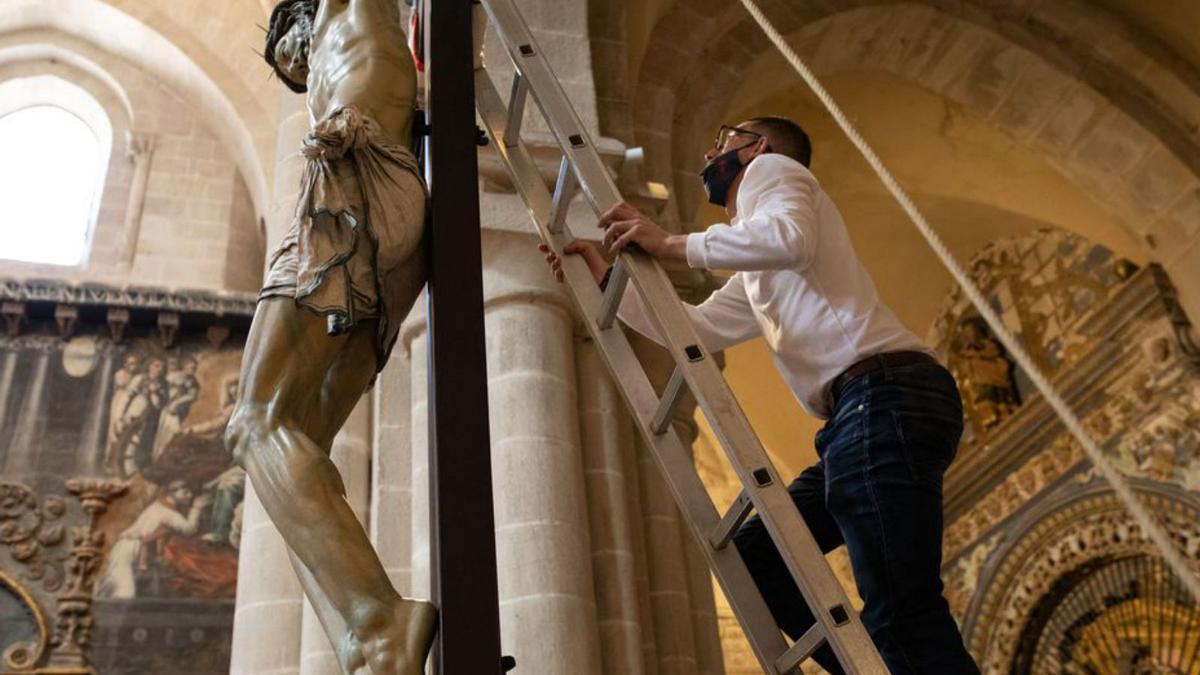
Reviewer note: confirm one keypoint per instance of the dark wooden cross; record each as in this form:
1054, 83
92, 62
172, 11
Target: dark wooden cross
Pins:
462, 531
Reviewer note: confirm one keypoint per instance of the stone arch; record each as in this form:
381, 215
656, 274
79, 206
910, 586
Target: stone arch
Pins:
1006, 44
34, 57
1062, 535
235, 111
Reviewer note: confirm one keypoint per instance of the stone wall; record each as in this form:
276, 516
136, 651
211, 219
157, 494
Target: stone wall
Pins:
174, 210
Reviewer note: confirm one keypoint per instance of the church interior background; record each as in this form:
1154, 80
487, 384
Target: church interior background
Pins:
1054, 144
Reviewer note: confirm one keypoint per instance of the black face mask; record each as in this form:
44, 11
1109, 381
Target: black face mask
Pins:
720, 172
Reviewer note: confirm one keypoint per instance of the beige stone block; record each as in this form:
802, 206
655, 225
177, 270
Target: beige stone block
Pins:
1113, 146
548, 636
261, 644
550, 557
544, 398
531, 473
907, 27
1076, 114
1041, 88
956, 55
929, 41
1160, 182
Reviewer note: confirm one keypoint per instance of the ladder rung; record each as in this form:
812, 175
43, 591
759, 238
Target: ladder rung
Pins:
670, 399
800, 650
516, 111
733, 519
613, 294
564, 192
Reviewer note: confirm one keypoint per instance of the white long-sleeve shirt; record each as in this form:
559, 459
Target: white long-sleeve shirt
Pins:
797, 283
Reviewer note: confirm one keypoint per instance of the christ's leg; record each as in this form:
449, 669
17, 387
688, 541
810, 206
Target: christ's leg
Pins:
400, 645
287, 360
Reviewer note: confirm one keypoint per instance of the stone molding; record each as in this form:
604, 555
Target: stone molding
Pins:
134, 297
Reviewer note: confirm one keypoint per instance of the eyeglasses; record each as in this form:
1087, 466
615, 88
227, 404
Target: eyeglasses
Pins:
727, 133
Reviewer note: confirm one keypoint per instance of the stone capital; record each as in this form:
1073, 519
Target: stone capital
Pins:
139, 145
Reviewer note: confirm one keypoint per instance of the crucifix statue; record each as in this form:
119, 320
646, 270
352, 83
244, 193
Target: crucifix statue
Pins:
338, 286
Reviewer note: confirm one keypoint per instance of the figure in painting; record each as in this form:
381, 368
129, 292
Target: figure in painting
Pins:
182, 390
131, 448
339, 284
131, 365
142, 541
985, 374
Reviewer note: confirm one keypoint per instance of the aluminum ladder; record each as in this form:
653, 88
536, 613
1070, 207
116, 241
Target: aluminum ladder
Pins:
581, 170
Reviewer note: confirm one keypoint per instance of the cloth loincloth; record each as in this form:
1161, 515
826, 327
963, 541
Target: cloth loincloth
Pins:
355, 247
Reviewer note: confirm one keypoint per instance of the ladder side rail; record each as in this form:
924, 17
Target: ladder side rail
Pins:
815, 579
554, 104
674, 461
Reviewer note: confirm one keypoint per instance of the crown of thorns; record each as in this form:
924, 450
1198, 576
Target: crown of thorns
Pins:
286, 15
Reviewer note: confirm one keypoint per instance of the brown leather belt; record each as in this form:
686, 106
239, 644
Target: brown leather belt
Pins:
872, 364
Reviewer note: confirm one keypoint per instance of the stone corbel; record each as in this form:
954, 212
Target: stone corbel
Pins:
217, 334
168, 328
118, 321
66, 317
14, 318
139, 149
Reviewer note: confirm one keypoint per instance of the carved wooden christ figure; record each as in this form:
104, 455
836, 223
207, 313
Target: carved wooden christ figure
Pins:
338, 286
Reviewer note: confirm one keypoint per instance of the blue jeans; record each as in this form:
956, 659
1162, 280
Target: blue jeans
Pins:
877, 488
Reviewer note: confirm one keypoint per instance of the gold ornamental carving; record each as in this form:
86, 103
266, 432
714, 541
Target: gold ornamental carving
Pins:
1064, 541
34, 531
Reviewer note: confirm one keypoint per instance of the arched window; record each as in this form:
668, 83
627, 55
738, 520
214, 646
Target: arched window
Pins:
50, 181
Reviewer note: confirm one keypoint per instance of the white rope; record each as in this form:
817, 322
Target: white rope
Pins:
1149, 526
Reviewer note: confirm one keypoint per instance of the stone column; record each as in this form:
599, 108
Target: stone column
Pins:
547, 600
607, 433
666, 537
710, 660
391, 471
670, 600
352, 456
139, 149
420, 574
268, 610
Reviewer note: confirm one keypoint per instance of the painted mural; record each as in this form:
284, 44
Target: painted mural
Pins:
143, 413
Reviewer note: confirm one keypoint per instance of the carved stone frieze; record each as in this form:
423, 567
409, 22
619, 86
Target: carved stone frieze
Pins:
219, 304
962, 576
1027, 566
1134, 386
1015, 491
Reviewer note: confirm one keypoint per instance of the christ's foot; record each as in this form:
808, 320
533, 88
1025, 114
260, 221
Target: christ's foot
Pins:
400, 645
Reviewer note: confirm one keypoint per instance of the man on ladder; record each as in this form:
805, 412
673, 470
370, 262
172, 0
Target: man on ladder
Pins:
893, 414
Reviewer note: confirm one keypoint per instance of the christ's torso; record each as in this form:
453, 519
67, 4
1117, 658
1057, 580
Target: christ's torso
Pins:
360, 58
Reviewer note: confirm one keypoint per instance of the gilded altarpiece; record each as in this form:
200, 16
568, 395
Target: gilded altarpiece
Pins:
1044, 569
119, 506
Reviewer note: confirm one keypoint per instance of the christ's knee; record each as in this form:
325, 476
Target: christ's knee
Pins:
247, 433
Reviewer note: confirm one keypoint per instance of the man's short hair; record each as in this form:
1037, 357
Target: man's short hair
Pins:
785, 137
286, 14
